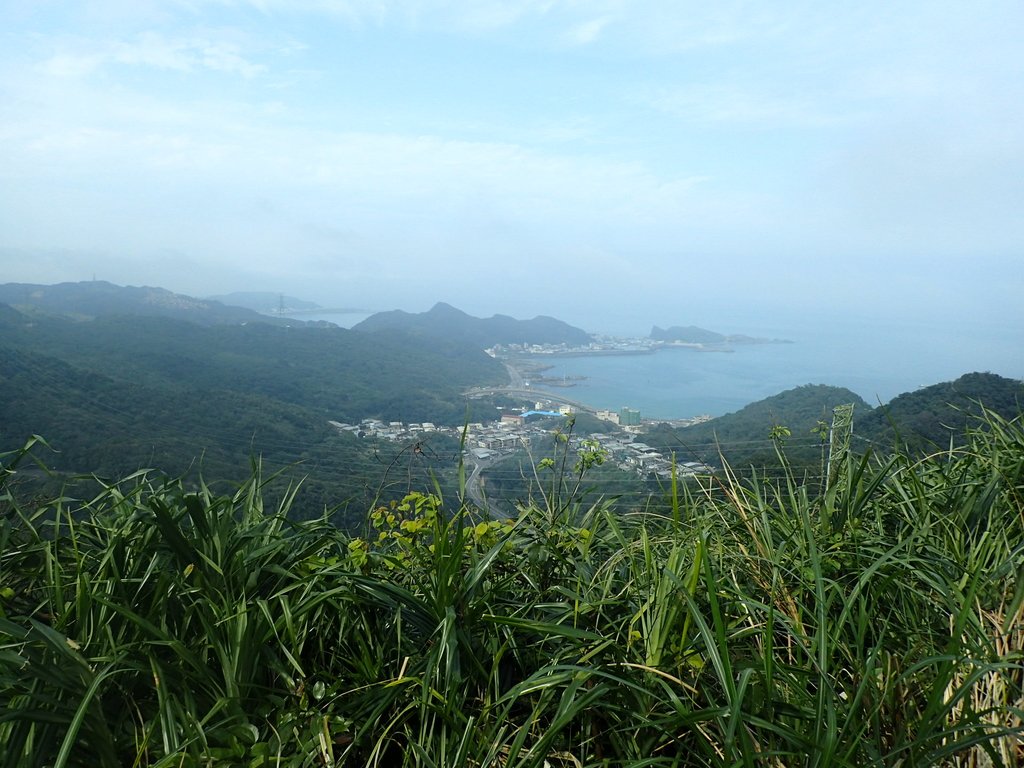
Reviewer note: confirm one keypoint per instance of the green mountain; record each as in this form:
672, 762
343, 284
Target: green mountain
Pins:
744, 437
113, 392
118, 393
444, 321
932, 417
87, 300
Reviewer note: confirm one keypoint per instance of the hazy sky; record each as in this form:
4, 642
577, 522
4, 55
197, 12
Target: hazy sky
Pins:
605, 161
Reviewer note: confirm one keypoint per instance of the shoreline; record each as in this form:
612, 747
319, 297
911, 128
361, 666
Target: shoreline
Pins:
726, 347
581, 353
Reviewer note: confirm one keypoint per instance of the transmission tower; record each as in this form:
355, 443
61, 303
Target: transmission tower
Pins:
839, 443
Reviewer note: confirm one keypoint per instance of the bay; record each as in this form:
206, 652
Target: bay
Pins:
877, 362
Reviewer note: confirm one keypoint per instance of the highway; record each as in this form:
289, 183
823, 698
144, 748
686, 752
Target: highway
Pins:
475, 492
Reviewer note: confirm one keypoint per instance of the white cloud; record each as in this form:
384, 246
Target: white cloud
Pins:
588, 31
722, 102
72, 65
568, 137
152, 50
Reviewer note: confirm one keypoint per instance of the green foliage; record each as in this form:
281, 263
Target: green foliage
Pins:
749, 437
761, 623
928, 419
118, 394
933, 417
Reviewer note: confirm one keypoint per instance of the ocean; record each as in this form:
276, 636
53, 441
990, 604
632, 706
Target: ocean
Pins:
877, 362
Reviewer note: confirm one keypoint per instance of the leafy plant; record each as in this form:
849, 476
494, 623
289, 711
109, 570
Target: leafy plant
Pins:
752, 621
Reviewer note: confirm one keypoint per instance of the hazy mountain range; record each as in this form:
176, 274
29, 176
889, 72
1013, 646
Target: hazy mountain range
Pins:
691, 334
447, 322
97, 298
265, 302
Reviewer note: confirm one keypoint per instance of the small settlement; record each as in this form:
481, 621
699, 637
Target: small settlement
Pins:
517, 429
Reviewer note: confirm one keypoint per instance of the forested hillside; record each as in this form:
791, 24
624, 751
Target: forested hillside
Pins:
931, 417
796, 419
345, 374
114, 394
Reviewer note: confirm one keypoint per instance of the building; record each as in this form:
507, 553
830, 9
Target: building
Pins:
629, 417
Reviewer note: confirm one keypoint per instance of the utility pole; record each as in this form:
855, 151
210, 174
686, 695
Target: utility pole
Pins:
839, 444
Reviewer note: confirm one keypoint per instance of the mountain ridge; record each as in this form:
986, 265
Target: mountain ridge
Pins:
692, 334
445, 321
264, 302
98, 298
932, 417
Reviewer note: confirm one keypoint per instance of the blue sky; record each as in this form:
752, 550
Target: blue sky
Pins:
610, 162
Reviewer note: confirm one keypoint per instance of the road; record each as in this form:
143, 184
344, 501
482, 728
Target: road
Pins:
515, 377
531, 393
475, 491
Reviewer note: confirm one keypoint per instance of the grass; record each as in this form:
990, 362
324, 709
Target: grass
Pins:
751, 623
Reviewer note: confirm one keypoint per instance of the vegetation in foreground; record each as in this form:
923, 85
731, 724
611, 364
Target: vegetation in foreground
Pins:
750, 623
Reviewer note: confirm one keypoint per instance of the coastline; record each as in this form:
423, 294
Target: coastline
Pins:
667, 386
727, 347
583, 353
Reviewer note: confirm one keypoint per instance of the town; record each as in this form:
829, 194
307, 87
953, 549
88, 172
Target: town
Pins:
601, 345
518, 429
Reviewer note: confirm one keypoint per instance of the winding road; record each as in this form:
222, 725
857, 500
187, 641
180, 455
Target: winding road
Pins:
475, 491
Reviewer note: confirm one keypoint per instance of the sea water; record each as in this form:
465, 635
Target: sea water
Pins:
877, 362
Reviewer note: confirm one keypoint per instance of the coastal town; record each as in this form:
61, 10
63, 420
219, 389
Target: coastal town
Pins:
524, 428
599, 345
518, 429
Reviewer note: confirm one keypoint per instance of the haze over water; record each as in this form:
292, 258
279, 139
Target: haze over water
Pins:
876, 362
876, 358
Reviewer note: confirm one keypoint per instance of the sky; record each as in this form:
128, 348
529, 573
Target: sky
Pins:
611, 162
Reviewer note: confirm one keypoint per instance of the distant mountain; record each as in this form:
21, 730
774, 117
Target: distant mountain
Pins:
265, 302
88, 300
691, 334
344, 374
932, 417
447, 322
744, 437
